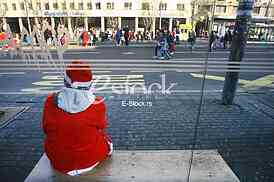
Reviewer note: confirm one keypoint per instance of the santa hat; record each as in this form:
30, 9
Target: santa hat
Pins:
78, 74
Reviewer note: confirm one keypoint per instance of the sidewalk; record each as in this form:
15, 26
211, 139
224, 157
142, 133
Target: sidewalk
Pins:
200, 44
243, 133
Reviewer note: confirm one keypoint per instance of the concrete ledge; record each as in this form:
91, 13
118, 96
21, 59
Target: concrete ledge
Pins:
208, 166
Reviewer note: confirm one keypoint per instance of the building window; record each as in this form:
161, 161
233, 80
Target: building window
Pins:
163, 6
80, 6
38, 6
72, 6
22, 6
13, 6
256, 10
128, 5
145, 6
89, 6
64, 6
47, 6
272, 12
5, 5
234, 9
30, 6
98, 5
220, 9
110, 5
180, 7
55, 6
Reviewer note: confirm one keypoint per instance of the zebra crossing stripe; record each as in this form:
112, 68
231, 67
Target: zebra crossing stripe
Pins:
101, 82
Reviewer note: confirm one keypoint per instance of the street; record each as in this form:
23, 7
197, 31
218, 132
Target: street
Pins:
115, 66
151, 104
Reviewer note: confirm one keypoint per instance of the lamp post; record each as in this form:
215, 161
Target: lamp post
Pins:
160, 13
237, 49
212, 16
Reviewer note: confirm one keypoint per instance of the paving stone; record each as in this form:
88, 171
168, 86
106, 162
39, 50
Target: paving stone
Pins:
242, 133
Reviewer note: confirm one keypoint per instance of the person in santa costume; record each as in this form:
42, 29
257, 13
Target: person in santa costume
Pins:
74, 120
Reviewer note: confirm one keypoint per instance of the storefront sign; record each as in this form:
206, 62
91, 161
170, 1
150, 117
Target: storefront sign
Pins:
187, 26
63, 13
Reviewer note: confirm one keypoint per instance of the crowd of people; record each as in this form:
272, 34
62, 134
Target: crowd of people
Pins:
220, 41
166, 44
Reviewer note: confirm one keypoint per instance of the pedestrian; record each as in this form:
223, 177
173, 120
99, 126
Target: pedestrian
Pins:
191, 39
126, 35
177, 36
85, 38
63, 39
74, 123
118, 37
90, 34
171, 43
211, 40
159, 37
94, 40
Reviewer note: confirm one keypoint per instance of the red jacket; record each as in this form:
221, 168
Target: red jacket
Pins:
74, 141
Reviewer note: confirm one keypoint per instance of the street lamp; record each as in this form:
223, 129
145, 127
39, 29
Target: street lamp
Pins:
212, 17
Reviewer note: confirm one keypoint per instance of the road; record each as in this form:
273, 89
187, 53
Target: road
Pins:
118, 69
241, 133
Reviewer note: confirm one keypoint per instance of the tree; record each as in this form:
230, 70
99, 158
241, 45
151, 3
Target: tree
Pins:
203, 11
148, 16
267, 8
113, 22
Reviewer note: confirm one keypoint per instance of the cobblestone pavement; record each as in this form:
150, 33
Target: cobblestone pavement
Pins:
242, 133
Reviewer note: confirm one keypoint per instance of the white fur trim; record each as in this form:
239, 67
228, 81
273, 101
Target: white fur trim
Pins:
80, 171
75, 100
77, 84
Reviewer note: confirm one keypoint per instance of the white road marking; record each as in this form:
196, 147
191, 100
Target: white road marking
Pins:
44, 91
265, 81
118, 83
60, 72
12, 73
128, 53
83, 52
222, 52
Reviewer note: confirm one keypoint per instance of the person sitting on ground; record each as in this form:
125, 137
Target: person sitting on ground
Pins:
74, 120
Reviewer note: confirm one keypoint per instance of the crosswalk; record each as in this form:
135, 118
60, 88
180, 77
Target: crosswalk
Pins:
102, 83
186, 65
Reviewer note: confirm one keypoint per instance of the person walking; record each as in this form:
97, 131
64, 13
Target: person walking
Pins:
226, 39
158, 38
126, 35
191, 39
212, 38
74, 122
118, 37
85, 38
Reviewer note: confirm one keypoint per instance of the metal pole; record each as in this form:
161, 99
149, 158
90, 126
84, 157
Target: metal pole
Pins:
160, 11
267, 8
192, 14
237, 49
212, 17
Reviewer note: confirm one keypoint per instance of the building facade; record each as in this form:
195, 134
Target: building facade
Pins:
225, 15
99, 14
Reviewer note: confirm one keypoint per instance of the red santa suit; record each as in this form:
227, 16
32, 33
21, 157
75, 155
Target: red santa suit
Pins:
85, 38
74, 120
